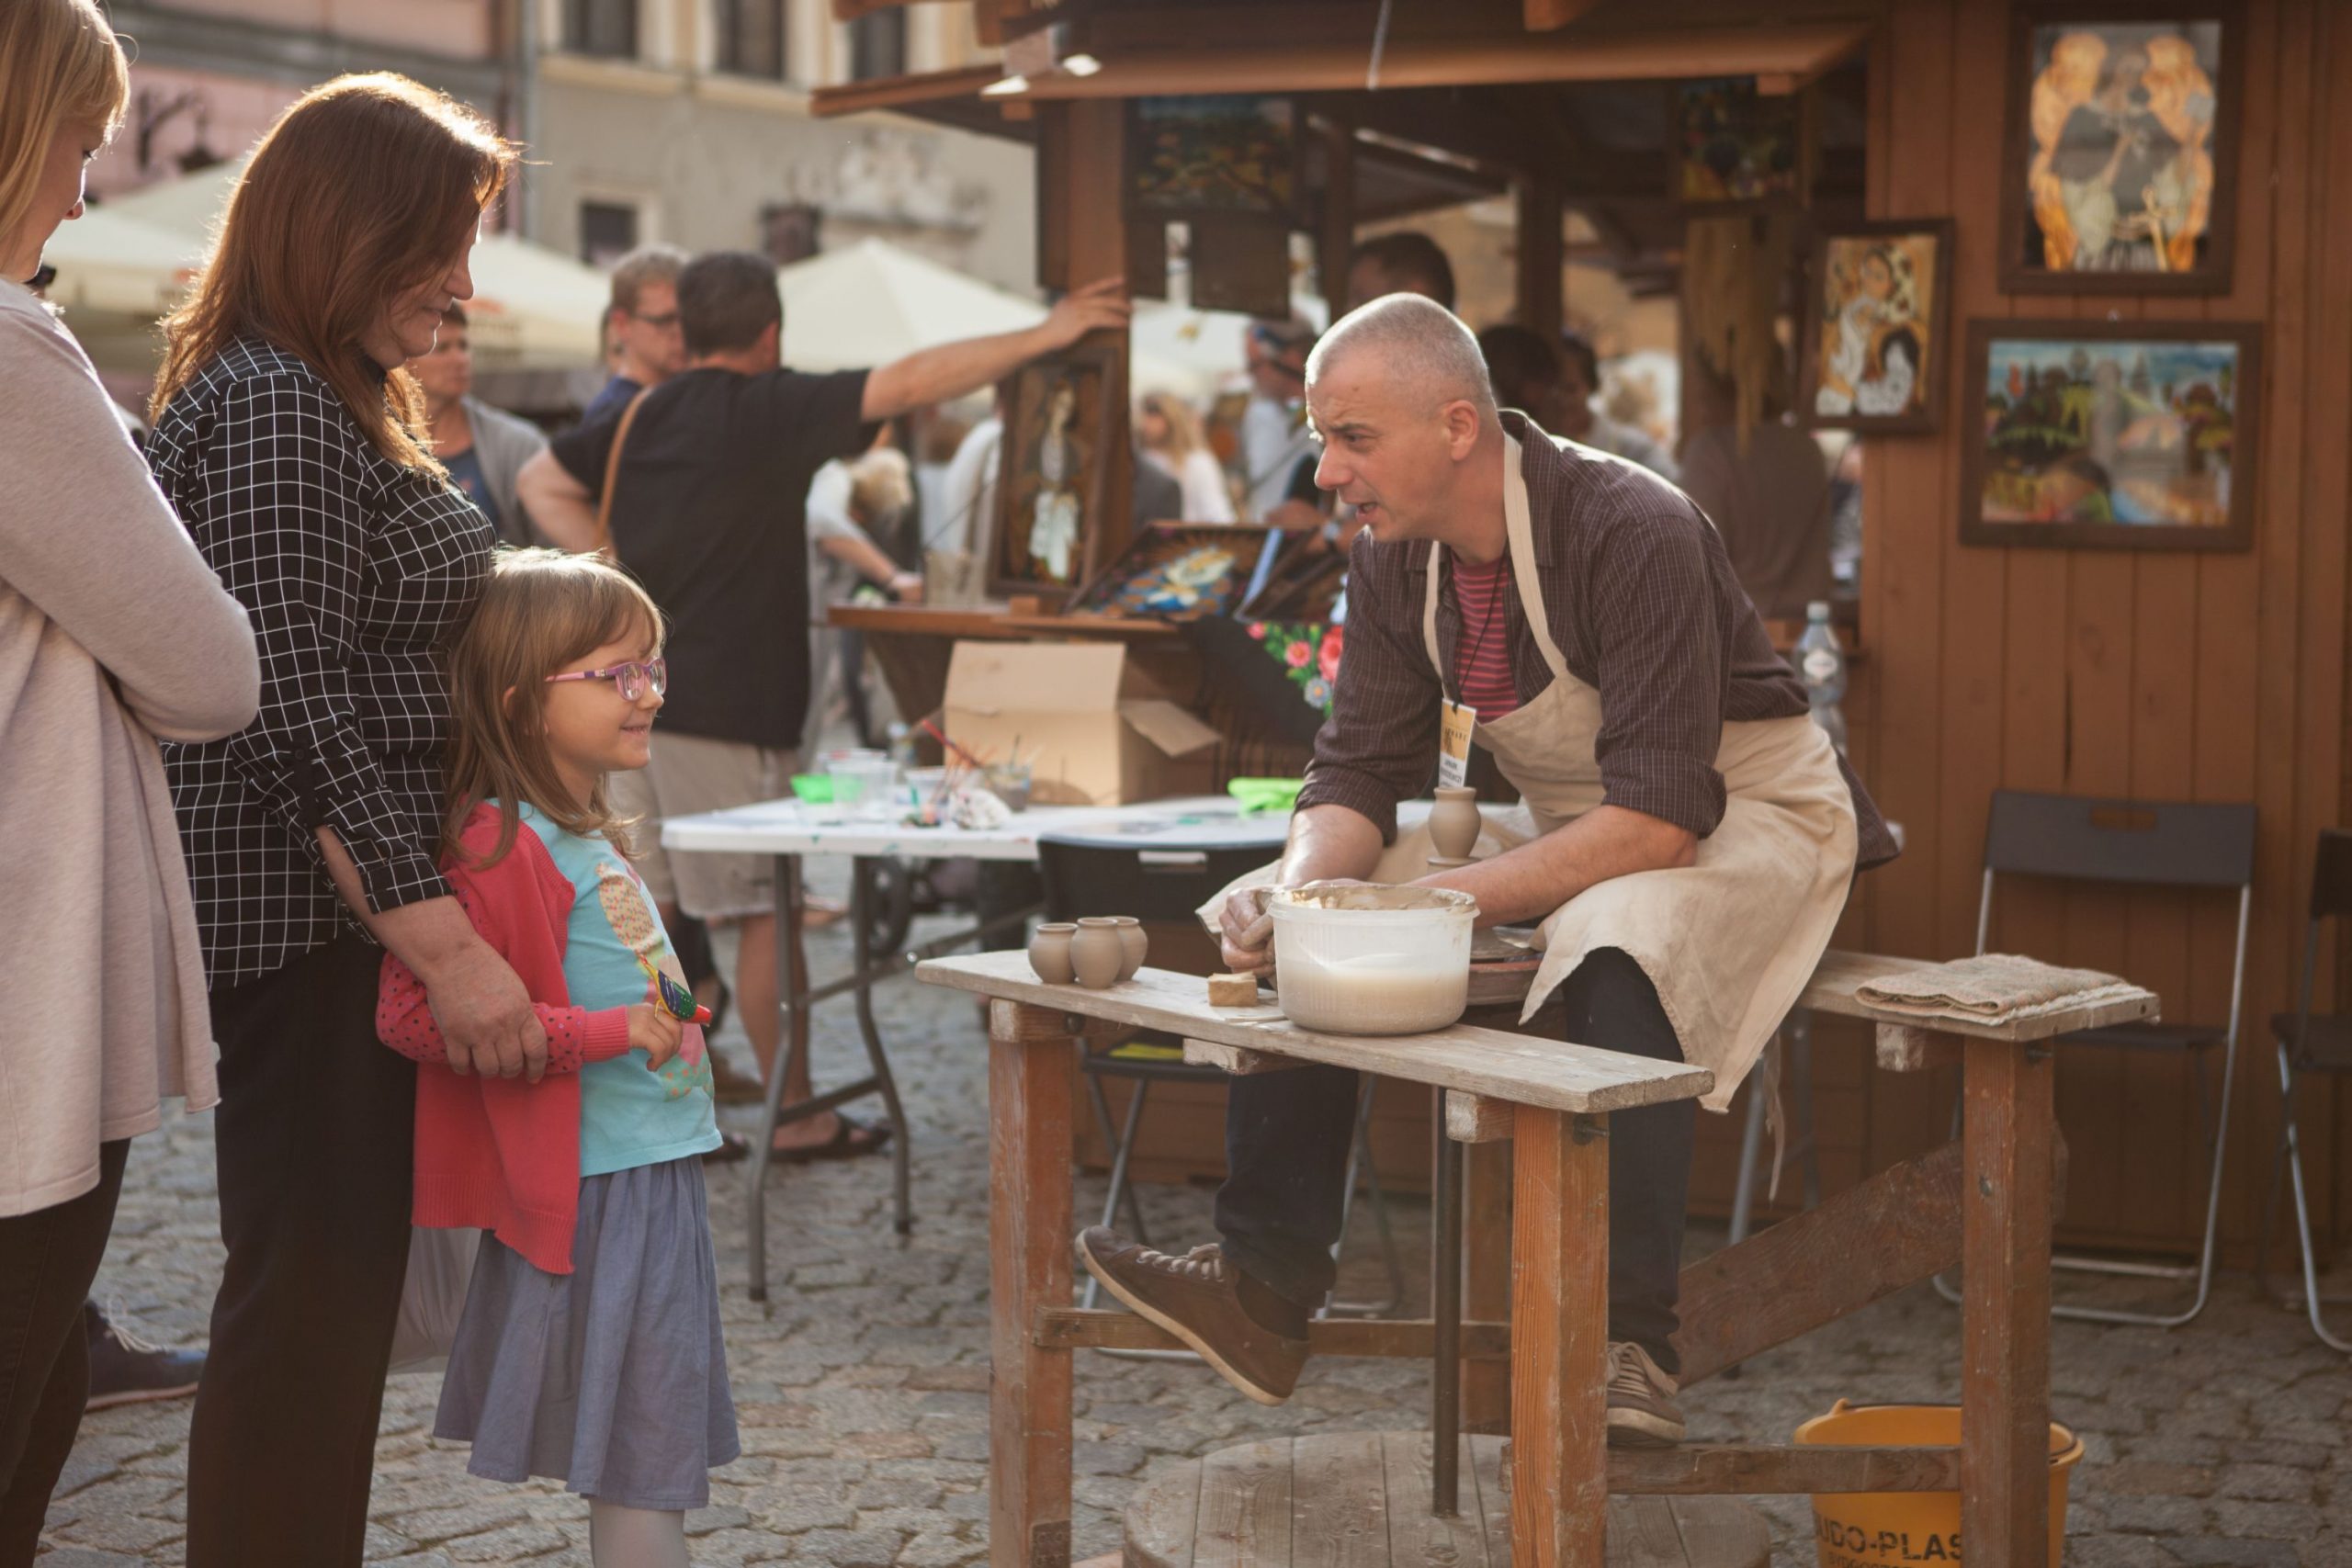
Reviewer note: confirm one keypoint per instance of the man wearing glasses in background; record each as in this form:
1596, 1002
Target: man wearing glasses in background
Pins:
641, 326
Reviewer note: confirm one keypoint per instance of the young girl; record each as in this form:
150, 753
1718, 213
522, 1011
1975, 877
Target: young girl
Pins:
589, 1350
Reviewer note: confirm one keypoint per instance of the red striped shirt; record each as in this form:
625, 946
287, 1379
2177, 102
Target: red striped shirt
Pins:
1481, 663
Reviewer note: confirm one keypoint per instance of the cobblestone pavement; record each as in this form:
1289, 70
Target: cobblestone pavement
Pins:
862, 1383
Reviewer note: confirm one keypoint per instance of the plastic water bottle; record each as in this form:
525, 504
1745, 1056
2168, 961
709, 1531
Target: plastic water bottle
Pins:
1821, 665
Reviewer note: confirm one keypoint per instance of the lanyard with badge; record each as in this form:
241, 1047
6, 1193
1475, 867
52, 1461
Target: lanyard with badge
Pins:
1459, 721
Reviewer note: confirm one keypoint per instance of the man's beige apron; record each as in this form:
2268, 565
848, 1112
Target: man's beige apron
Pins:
1729, 942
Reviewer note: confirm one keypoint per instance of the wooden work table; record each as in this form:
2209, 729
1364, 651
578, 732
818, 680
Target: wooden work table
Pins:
1984, 1203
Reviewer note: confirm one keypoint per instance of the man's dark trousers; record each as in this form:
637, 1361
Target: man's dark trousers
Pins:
1286, 1139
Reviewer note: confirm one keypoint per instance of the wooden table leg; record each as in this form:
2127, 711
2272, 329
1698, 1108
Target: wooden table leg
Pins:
1559, 1505
2005, 1332
1029, 1267
1485, 1291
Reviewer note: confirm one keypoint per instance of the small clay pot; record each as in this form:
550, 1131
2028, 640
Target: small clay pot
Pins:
1096, 954
1049, 952
1131, 938
1454, 823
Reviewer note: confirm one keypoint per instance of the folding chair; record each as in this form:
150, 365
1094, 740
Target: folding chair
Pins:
2309, 1043
1087, 877
2141, 844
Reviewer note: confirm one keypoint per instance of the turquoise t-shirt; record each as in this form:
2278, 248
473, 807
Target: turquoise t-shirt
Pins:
629, 1116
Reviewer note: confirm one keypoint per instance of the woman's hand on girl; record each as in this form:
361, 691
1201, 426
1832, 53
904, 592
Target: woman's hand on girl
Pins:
655, 1032
486, 1015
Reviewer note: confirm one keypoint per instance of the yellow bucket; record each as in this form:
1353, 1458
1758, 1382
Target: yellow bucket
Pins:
1905, 1529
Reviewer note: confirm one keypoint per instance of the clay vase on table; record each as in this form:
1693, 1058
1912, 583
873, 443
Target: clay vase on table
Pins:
1096, 954
1049, 952
1133, 943
1454, 823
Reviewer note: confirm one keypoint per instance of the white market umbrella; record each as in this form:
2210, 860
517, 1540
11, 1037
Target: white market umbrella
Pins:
873, 302
109, 262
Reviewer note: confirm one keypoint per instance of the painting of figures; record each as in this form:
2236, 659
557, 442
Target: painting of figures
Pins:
2132, 433
2122, 125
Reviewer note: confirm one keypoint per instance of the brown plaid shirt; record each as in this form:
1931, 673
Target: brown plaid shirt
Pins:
1646, 610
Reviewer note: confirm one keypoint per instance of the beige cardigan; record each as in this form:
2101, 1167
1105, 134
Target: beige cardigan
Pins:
113, 632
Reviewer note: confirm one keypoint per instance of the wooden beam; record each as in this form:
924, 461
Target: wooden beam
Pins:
1740, 1470
893, 92
1539, 255
1543, 15
2005, 1312
1335, 225
1477, 1118
1238, 1060
1559, 1312
1073, 1328
1870, 1240
1486, 1278
1797, 51
1029, 1267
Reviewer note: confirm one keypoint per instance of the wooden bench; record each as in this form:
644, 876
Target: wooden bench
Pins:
1986, 1201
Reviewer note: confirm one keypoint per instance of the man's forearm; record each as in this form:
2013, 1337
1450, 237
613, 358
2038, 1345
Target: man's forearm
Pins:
559, 504
1534, 879
938, 375
1329, 841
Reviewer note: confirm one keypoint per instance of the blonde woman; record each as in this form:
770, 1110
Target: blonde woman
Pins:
112, 632
293, 444
1174, 440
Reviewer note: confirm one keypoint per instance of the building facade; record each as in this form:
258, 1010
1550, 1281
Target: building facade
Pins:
676, 121
686, 121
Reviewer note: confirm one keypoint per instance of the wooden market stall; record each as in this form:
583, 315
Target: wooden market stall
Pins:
1997, 657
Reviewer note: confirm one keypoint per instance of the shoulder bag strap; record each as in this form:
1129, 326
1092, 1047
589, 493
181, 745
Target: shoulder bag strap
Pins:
612, 476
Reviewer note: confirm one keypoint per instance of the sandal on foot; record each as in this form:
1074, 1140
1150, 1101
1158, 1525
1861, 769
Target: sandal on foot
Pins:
851, 1139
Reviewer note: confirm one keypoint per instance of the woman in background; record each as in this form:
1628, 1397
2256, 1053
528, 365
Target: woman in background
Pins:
1172, 438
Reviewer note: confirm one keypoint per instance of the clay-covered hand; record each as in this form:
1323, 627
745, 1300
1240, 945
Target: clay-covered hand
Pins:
1246, 932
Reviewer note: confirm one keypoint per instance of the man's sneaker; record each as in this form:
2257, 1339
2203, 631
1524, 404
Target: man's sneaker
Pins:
1641, 1412
126, 1369
1195, 1298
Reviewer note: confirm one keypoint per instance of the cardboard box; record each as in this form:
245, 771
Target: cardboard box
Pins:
1081, 718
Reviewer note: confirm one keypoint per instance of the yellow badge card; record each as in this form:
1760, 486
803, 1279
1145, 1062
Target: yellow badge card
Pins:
1454, 744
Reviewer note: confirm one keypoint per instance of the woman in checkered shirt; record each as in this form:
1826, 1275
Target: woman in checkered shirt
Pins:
292, 444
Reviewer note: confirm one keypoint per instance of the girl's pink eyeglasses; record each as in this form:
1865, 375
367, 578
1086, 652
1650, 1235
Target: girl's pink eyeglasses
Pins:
632, 678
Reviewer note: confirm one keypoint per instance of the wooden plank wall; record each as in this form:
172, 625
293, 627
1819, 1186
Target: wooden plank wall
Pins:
2213, 677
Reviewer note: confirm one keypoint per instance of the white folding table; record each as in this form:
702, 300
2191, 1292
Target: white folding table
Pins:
790, 829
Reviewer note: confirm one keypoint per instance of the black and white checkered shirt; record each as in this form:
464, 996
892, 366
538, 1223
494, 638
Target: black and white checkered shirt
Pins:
356, 571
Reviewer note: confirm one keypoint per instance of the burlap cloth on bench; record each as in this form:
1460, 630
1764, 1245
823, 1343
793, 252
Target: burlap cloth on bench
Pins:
1995, 987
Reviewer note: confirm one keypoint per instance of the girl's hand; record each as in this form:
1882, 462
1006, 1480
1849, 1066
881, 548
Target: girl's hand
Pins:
654, 1032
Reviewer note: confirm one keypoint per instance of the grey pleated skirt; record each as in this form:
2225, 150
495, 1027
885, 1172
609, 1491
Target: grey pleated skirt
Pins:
612, 1379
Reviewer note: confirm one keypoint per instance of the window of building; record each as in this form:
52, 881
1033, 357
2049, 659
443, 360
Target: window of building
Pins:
751, 38
606, 27
607, 232
877, 45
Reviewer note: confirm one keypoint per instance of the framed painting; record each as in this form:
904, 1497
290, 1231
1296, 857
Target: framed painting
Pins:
1877, 298
1233, 154
2111, 434
1178, 571
1728, 144
1061, 425
2118, 168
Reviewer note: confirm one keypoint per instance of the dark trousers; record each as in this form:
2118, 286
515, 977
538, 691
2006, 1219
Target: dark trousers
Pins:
314, 1150
1287, 1139
47, 1261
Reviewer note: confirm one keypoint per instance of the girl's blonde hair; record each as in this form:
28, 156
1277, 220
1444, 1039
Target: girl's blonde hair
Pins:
540, 611
59, 61
1185, 433
365, 188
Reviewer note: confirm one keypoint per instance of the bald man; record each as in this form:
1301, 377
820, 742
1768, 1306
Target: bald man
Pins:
1691, 834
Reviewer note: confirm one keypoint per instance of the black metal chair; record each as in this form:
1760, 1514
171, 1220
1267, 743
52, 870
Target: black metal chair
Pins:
2309, 1043
1100, 876
2143, 843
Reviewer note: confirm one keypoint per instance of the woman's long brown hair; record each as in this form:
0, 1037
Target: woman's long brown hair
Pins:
364, 189
540, 611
